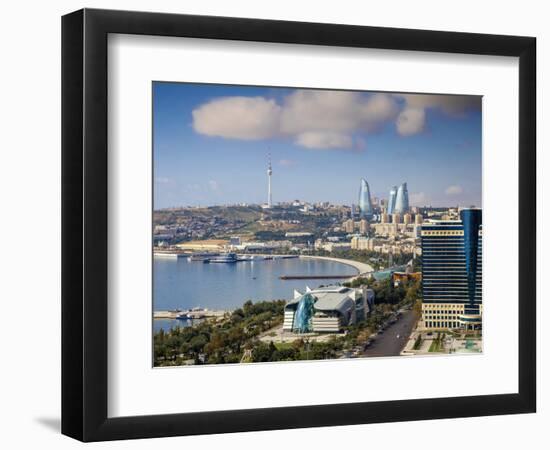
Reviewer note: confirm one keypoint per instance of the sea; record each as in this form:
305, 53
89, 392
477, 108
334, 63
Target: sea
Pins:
183, 284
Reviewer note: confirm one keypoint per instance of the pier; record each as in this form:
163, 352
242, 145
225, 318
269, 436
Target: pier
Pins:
314, 277
170, 255
166, 314
195, 313
361, 268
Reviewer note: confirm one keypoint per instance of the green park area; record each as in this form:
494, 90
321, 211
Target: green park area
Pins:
236, 337
437, 343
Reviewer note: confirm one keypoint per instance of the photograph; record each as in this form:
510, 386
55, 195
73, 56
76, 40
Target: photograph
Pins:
263, 224
296, 224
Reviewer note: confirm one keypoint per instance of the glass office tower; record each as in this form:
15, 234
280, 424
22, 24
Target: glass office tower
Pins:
402, 199
365, 203
452, 272
391, 200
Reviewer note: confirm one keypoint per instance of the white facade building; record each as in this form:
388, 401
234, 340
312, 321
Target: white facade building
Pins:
327, 309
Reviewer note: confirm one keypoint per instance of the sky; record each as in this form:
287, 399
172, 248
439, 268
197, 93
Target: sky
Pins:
211, 145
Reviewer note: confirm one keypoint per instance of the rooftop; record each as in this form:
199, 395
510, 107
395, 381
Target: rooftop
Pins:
329, 298
331, 301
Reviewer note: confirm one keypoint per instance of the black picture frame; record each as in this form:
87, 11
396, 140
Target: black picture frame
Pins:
84, 224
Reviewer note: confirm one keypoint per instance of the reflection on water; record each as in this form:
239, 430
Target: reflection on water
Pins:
185, 284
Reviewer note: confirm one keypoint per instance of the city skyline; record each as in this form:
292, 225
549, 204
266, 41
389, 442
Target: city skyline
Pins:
211, 145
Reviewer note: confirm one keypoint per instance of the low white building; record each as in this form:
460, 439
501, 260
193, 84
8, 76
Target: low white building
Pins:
327, 309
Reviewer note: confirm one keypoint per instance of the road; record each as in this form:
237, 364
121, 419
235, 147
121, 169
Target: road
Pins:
387, 344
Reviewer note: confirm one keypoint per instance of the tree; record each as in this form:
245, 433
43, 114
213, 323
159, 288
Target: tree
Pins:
222, 341
237, 316
298, 344
413, 292
262, 352
247, 308
284, 354
417, 308
198, 342
417, 342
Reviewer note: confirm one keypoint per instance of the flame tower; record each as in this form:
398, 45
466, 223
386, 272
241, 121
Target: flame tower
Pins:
391, 200
402, 199
365, 202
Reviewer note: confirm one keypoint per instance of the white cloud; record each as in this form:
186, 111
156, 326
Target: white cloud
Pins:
213, 185
247, 118
453, 105
410, 121
314, 119
455, 189
379, 109
324, 140
318, 110
322, 119
412, 118
335, 111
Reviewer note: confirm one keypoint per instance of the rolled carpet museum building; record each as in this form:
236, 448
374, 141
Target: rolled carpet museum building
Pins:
327, 309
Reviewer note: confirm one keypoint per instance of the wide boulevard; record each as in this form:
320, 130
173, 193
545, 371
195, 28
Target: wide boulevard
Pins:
387, 343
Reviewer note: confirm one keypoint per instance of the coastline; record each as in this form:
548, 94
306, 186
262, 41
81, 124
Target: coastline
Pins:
362, 268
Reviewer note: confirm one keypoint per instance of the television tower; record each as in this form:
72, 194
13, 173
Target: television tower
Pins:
269, 172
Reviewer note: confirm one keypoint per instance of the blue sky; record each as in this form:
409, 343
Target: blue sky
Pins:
211, 144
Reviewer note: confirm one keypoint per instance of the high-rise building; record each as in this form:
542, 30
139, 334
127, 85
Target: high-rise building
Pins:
452, 272
349, 226
384, 218
396, 218
358, 243
407, 219
391, 200
418, 219
363, 243
402, 199
365, 203
364, 226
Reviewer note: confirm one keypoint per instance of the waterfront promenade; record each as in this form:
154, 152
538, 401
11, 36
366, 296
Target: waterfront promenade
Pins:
362, 268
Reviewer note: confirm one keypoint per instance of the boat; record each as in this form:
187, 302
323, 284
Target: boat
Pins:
224, 258
202, 256
193, 313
